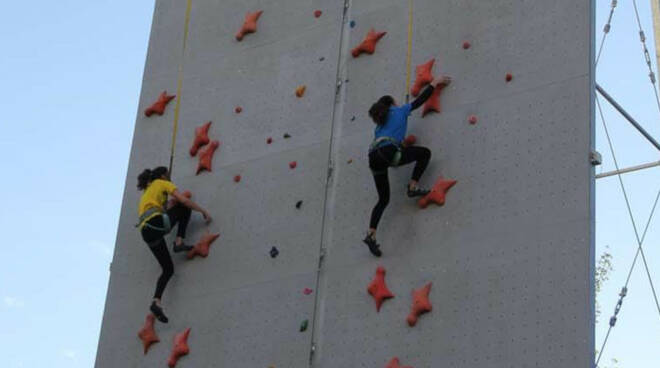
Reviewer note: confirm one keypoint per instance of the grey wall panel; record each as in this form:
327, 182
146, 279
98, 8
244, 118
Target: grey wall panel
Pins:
509, 255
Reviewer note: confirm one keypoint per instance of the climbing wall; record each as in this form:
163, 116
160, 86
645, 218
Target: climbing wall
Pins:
509, 256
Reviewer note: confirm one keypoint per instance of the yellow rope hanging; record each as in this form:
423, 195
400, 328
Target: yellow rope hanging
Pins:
179, 82
409, 55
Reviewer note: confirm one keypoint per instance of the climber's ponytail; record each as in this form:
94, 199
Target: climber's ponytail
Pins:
147, 176
381, 109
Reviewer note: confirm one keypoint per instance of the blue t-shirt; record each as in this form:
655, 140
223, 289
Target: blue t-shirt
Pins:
396, 125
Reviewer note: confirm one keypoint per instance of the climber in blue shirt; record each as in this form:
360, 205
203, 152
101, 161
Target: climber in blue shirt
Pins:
388, 150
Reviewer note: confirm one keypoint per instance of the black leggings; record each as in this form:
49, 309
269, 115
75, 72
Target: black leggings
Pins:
155, 238
380, 159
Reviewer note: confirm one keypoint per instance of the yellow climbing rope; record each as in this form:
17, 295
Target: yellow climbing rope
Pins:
179, 82
409, 54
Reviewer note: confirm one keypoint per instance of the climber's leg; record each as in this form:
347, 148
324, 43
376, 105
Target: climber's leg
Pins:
180, 216
159, 249
421, 156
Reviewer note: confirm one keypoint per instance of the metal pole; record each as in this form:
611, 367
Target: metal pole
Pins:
628, 169
627, 116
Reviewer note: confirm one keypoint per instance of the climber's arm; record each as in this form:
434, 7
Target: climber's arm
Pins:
442, 82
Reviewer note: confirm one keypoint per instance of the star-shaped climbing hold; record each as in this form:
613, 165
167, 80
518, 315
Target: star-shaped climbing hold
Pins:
249, 24
438, 193
394, 363
206, 157
433, 103
147, 333
202, 247
368, 45
424, 74
201, 138
180, 347
158, 107
378, 289
421, 304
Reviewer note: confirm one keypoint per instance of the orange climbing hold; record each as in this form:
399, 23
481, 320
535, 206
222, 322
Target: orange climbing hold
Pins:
424, 74
421, 304
206, 157
378, 289
508, 77
466, 45
180, 348
410, 140
158, 107
368, 45
201, 138
300, 91
438, 193
238, 109
249, 24
237, 178
202, 247
293, 165
317, 13
147, 333
472, 119
433, 103
394, 363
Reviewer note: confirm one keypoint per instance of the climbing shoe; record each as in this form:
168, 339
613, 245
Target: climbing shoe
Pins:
181, 248
374, 247
158, 312
417, 192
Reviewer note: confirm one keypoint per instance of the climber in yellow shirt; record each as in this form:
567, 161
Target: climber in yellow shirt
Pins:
156, 221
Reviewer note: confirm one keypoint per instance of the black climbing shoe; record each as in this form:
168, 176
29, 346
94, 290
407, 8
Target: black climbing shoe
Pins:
158, 312
181, 248
374, 247
417, 192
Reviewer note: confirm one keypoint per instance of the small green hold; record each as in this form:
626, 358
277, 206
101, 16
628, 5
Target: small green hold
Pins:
303, 325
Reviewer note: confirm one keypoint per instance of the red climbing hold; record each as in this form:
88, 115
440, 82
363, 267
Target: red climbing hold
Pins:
472, 119
249, 24
424, 74
237, 178
466, 45
300, 91
147, 333
378, 289
421, 304
368, 45
317, 13
202, 247
159, 106
201, 138
206, 157
410, 140
307, 291
394, 363
293, 164
433, 103
269, 140
180, 347
238, 109
508, 77
438, 193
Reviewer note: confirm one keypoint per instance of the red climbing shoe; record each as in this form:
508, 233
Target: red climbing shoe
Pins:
374, 247
158, 312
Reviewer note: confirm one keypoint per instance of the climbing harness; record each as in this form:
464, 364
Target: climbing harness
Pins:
151, 213
382, 142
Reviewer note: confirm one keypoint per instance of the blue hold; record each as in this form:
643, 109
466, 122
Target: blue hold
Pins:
352, 24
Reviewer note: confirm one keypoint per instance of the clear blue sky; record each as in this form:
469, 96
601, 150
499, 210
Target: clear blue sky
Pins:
71, 74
